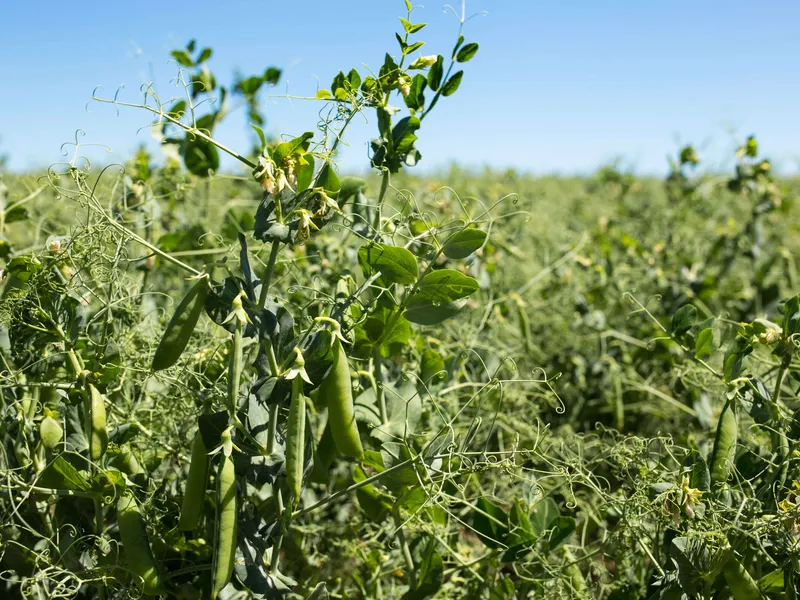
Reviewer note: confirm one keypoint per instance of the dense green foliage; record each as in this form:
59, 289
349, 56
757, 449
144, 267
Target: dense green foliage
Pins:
470, 385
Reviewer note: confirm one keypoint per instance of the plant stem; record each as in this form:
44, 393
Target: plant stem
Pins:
377, 373
412, 571
267, 277
379, 204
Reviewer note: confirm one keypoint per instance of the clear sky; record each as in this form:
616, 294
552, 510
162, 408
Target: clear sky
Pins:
557, 86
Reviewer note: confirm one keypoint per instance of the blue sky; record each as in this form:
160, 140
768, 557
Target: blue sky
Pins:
558, 86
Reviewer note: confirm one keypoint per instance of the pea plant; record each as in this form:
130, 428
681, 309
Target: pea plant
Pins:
292, 433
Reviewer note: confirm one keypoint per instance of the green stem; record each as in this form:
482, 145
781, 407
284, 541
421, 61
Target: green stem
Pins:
401, 536
267, 277
381, 197
377, 373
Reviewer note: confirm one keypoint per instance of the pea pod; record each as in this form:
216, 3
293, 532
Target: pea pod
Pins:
324, 455
49, 430
296, 440
136, 545
193, 497
740, 583
225, 539
98, 435
124, 460
337, 393
724, 444
181, 326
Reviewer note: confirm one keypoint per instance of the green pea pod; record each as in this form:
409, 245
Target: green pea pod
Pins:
324, 455
136, 545
181, 326
740, 583
337, 393
724, 444
124, 461
98, 438
49, 430
225, 542
296, 440
195, 493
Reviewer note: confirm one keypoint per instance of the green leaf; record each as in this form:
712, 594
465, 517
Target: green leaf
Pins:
544, 513
200, 157
683, 320
465, 242
351, 186
416, 97
436, 73
271, 75
561, 529
204, 55
430, 575
704, 344
286, 149
183, 58
446, 285
305, 173
397, 265
791, 316
261, 135
431, 366
411, 27
375, 504
490, 523
61, 475
324, 95
328, 179
412, 47
426, 312
452, 84
467, 52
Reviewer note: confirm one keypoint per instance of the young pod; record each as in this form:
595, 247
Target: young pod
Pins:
195, 493
98, 438
49, 430
724, 444
740, 583
296, 440
124, 460
181, 326
336, 392
225, 539
133, 533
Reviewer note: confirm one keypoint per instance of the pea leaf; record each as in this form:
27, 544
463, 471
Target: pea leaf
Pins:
683, 320
200, 156
561, 529
465, 242
452, 84
425, 312
446, 285
704, 344
430, 575
490, 523
467, 52
396, 264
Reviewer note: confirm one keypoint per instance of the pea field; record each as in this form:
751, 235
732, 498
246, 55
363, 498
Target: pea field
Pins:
281, 380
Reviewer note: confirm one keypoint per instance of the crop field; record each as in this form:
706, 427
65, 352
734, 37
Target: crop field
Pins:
279, 380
